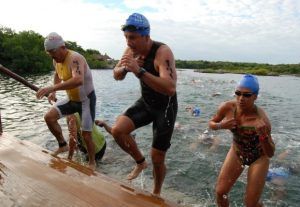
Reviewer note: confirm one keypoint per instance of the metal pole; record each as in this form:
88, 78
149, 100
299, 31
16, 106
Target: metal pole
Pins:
17, 78
0, 124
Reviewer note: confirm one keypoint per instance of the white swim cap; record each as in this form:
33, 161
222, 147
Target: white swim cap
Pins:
53, 41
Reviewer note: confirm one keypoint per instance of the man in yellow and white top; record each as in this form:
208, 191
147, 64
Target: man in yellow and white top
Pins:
73, 75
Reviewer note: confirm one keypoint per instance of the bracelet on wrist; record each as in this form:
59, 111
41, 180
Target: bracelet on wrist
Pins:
218, 125
263, 138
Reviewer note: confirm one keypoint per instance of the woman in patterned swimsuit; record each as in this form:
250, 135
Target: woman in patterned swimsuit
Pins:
252, 143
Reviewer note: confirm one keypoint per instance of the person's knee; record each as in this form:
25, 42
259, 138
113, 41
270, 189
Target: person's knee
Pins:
158, 158
251, 202
49, 118
156, 161
87, 136
221, 192
116, 132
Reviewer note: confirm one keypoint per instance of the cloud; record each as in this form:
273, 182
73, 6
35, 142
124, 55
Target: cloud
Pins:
89, 24
249, 31
245, 30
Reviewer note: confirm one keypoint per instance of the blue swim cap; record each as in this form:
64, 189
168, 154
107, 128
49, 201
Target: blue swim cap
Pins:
196, 111
137, 23
250, 82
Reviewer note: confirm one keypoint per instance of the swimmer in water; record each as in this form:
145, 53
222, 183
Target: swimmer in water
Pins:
279, 173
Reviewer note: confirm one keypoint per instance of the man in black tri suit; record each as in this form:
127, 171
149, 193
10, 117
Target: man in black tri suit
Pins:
154, 65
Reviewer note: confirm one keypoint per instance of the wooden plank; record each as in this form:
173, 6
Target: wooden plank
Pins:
30, 176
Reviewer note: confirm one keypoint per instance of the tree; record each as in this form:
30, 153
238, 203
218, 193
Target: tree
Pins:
24, 52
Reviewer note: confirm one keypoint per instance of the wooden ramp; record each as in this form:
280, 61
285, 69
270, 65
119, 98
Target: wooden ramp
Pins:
30, 176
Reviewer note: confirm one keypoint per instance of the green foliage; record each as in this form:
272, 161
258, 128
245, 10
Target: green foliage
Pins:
92, 52
235, 67
93, 57
96, 64
24, 52
74, 46
259, 71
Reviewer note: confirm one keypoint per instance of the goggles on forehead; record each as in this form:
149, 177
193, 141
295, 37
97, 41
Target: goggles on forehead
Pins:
132, 28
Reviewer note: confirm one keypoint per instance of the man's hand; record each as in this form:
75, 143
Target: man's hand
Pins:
100, 123
140, 61
130, 63
44, 92
52, 98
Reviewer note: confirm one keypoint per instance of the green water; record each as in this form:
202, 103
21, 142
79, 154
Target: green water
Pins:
192, 167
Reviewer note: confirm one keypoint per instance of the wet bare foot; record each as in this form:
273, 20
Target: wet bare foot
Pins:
60, 150
156, 195
137, 170
92, 166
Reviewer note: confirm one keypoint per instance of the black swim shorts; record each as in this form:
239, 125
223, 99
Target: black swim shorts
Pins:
86, 109
163, 121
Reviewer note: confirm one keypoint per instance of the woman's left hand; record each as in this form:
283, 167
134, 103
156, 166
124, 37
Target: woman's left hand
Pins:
262, 129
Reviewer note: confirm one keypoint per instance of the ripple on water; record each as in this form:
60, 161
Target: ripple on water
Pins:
192, 166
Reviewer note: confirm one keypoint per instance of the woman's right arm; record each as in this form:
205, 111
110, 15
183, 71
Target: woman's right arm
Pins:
218, 121
215, 122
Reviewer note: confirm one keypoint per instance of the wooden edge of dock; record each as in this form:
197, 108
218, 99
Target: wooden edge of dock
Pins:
31, 176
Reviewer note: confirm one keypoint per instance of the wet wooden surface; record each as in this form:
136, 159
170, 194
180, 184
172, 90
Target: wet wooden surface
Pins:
30, 176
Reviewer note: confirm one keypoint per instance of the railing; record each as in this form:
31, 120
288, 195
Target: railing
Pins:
0, 124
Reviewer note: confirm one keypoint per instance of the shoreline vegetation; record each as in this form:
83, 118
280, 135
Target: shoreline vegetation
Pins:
23, 52
240, 68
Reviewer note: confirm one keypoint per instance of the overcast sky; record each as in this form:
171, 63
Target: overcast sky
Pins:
264, 31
